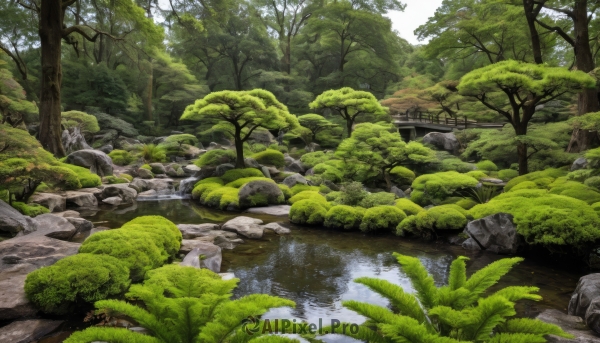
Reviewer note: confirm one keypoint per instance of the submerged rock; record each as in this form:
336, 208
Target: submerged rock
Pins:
25, 331
245, 226
495, 233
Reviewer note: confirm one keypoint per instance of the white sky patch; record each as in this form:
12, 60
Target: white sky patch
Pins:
415, 14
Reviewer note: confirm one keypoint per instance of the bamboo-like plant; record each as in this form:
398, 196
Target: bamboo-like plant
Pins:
457, 312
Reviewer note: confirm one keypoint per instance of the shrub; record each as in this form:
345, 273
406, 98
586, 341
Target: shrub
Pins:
466, 203
544, 177
328, 172
313, 158
215, 158
235, 174
343, 216
422, 224
448, 217
455, 164
85, 176
308, 212
507, 174
352, 193
307, 195
297, 188
334, 196
324, 189
146, 167
377, 199
76, 279
381, 218
287, 192
121, 157
31, 210
152, 153
574, 189
87, 122
278, 147
595, 206
215, 179
477, 174
270, 157
408, 207
182, 138
402, 175
593, 182
164, 231
486, 165
433, 188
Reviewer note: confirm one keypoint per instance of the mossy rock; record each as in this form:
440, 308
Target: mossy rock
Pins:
260, 193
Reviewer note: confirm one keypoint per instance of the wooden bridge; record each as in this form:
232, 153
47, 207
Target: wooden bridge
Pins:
412, 126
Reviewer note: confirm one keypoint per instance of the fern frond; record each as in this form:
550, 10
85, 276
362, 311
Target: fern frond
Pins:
110, 334
377, 313
516, 338
488, 276
406, 331
422, 281
364, 333
533, 326
458, 273
406, 303
452, 318
448, 297
488, 314
274, 339
138, 314
516, 293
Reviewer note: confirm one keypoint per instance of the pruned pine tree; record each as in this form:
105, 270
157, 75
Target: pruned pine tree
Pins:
461, 311
184, 305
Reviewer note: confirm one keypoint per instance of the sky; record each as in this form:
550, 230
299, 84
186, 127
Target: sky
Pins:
415, 14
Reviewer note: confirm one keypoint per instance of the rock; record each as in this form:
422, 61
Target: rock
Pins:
82, 225
331, 185
288, 160
191, 152
81, 199
277, 210
121, 190
13, 222
588, 289
144, 173
398, 192
191, 231
164, 186
139, 185
114, 201
98, 162
262, 136
213, 146
277, 228
54, 202
492, 180
25, 331
171, 172
226, 243
251, 163
495, 233
265, 172
245, 226
221, 169
157, 168
295, 167
106, 121
265, 190
191, 169
67, 214
580, 163
212, 255
272, 170
295, 179
592, 315
312, 147
227, 276
147, 194
206, 172
20, 256
570, 324
443, 141
106, 148
53, 226
73, 140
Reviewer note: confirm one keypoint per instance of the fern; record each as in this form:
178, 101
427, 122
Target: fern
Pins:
458, 312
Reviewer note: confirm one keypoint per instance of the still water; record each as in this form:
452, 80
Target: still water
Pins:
315, 267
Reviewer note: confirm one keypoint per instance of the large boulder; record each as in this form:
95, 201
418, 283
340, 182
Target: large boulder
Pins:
164, 186
245, 226
145, 174
443, 141
263, 136
191, 231
73, 140
495, 233
295, 179
97, 161
191, 169
81, 199
54, 202
18, 257
223, 168
276, 228
397, 192
53, 226
158, 168
13, 222
260, 193
570, 324
251, 163
121, 190
82, 225
585, 301
296, 167
277, 210
25, 331
211, 255
106, 121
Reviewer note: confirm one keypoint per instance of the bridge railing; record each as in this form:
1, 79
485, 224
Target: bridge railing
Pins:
431, 118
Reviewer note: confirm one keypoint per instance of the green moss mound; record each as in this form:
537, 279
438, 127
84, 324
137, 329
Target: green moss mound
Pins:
86, 122
215, 157
235, 174
381, 218
434, 188
402, 175
31, 210
328, 172
507, 174
541, 178
311, 159
308, 212
239, 183
307, 195
202, 189
222, 197
85, 176
121, 157
163, 230
448, 217
287, 192
270, 157
408, 207
486, 166
112, 179
477, 174
77, 279
303, 188
344, 217
377, 199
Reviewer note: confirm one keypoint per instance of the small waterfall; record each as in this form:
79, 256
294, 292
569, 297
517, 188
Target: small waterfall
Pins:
186, 186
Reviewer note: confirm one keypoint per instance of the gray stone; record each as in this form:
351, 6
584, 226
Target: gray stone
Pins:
53, 226
121, 190
144, 173
164, 186
73, 140
273, 171
191, 231
106, 148
580, 163
106, 121
67, 214
191, 169
54, 202
277, 228
147, 194
82, 225
265, 172
277, 210
139, 185
81, 199
295, 167
495, 233
492, 181
251, 163
221, 169
266, 190
470, 244
25, 331
288, 159
570, 324
245, 226
398, 192
295, 179
443, 141
312, 147
262, 136
588, 289
114, 201
158, 168
170, 171
13, 222
226, 243
212, 255
592, 315
98, 162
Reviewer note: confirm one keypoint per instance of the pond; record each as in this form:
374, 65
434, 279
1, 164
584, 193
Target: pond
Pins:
315, 267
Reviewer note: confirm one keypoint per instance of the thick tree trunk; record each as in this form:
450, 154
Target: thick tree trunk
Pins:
239, 148
349, 124
50, 31
287, 56
529, 6
522, 154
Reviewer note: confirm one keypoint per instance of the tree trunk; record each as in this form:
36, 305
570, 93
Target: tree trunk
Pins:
528, 5
349, 124
149, 114
386, 177
50, 31
522, 154
287, 56
239, 148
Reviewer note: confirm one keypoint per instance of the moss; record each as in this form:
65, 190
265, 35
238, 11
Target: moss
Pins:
114, 179
215, 158
432, 188
235, 174
147, 167
381, 218
241, 182
126, 177
334, 196
202, 189
121, 157
85, 176
448, 217
593, 182
345, 217
574, 189
324, 189
328, 172
308, 212
287, 192
421, 224
525, 185
31, 210
477, 174
87, 122
544, 177
270, 157
466, 203
77, 279
377, 199
222, 197
408, 207
596, 206
164, 231
456, 164
215, 179
580, 175
486, 165
306, 195
302, 188
402, 175
507, 174
313, 158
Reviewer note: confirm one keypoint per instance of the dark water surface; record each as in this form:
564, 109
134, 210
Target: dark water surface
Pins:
316, 267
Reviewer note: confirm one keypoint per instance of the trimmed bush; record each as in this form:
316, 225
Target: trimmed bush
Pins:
287, 192
377, 199
297, 188
408, 207
313, 158
343, 216
507, 174
334, 196
241, 182
121, 157
85, 176
466, 203
81, 278
381, 218
593, 182
215, 158
31, 210
574, 189
215, 179
308, 212
270, 157
307, 195
328, 172
477, 174
486, 165
456, 164
163, 230
433, 188
402, 175
421, 224
202, 189
235, 174
223, 197
595, 206
87, 122
448, 217
541, 178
